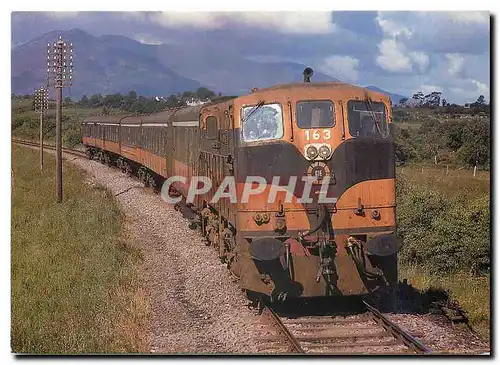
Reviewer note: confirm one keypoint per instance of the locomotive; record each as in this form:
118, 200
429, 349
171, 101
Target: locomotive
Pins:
331, 140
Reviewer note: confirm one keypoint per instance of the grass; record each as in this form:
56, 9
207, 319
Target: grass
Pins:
74, 277
457, 183
471, 292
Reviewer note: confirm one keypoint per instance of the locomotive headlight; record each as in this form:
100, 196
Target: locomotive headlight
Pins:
312, 152
324, 152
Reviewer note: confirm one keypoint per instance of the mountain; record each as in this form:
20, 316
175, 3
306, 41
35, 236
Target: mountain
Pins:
394, 97
110, 64
224, 70
106, 64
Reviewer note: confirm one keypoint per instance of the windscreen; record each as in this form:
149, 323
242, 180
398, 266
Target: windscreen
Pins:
315, 114
367, 119
262, 122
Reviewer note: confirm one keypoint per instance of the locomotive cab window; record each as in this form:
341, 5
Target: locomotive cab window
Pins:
211, 131
261, 122
367, 119
315, 114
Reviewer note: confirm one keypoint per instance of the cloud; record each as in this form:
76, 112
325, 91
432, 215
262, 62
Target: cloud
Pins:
283, 22
421, 59
344, 68
467, 17
438, 31
392, 56
469, 90
392, 28
482, 88
455, 64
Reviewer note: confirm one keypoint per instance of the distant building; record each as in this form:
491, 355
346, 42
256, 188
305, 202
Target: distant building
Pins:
195, 102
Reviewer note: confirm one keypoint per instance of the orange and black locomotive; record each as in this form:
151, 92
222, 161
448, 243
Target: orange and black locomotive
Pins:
311, 168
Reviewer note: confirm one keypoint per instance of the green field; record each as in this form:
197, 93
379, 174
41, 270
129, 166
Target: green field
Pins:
74, 277
445, 222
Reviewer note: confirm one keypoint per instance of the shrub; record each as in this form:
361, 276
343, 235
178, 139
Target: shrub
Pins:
441, 234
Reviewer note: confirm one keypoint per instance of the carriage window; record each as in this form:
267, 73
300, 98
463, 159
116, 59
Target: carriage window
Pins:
315, 114
211, 131
262, 122
367, 119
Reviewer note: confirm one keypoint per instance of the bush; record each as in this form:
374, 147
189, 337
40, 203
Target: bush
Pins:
441, 234
72, 136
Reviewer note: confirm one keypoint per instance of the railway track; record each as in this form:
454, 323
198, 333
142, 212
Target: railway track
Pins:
367, 333
69, 151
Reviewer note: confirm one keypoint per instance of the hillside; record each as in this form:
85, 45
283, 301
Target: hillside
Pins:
110, 64
105, 64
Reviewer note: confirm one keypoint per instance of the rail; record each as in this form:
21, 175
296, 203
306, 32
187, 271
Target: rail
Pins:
67, 150
399, 333
293, 344
385, 336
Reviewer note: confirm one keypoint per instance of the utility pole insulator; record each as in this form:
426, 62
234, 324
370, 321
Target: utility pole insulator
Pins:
41, 104
59, 75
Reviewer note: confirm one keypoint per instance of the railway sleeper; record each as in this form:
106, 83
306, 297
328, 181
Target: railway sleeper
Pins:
318, 321
328, 338
382, 343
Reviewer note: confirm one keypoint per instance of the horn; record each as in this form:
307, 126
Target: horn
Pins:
308, 72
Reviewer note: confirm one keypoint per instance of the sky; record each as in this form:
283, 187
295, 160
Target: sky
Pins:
401, 52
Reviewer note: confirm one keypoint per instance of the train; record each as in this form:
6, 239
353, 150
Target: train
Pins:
330, 139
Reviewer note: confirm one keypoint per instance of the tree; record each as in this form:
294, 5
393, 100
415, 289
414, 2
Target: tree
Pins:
113, 101
84, 100
204, 94
432, 99
444, 102
403, 101
403, 148
188, 95
132, 95
454, 132
476, 143
174, 101
418, 96
95, 100
480, 100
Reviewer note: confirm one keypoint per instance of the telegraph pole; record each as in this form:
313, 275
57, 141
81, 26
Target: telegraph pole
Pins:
41, 104
59, 74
